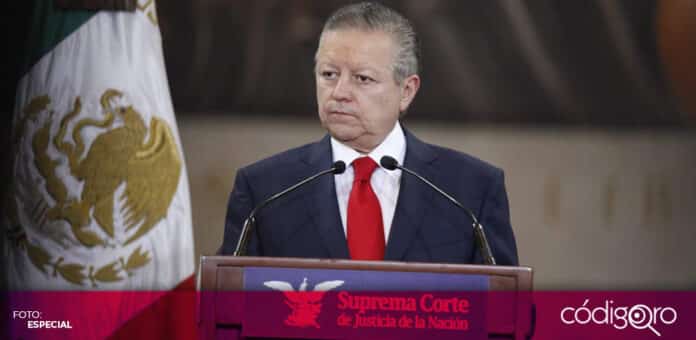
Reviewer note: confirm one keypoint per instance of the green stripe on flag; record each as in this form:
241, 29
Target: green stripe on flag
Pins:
49, 26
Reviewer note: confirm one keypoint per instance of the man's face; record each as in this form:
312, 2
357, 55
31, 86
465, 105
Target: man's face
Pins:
359, 101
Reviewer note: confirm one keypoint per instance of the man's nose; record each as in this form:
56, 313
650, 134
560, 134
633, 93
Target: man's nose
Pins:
342, 90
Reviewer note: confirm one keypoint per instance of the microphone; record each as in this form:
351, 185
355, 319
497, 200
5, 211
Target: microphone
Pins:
338, 167
390, 163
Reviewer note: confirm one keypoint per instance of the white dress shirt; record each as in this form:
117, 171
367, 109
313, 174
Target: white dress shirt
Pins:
384, 183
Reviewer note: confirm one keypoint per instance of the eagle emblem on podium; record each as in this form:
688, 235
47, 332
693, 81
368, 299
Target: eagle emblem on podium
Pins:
305, 305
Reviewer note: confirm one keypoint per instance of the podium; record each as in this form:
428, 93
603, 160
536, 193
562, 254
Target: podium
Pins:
319, 297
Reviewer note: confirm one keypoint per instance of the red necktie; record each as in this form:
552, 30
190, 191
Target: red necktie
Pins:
365, 229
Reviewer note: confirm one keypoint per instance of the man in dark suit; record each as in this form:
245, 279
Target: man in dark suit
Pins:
366, 77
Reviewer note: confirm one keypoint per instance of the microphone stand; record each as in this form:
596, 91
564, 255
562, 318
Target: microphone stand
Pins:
241, 248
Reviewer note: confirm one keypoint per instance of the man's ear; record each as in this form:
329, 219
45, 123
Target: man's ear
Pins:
408, 91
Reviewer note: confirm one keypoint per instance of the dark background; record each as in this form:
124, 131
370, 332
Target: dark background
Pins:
554, 62
528, 62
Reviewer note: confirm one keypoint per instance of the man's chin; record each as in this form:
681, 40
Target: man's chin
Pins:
343, 135
356, 140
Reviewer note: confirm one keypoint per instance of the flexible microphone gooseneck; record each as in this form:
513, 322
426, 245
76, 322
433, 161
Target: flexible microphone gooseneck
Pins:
390, 163
338, 167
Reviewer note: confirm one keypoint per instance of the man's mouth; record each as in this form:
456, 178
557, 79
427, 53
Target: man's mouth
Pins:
342, 112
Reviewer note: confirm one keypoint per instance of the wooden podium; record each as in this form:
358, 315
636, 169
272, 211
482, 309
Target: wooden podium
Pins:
221, 305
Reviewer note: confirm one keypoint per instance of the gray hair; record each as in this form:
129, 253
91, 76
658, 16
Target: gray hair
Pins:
370, 16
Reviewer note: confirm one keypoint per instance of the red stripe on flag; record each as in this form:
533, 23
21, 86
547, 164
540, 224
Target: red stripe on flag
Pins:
172, 316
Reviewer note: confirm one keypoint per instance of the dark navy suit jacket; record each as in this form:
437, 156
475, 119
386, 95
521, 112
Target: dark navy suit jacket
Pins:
426, 227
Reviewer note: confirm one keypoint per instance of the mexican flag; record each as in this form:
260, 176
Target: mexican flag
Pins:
98, 215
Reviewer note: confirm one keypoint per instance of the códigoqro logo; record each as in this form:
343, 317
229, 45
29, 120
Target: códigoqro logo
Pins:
638, 316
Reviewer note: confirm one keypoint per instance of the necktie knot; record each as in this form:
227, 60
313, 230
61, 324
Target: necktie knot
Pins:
364, 167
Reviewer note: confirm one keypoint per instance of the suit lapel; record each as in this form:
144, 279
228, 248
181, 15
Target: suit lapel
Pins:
412, 204
324, 203
414, 198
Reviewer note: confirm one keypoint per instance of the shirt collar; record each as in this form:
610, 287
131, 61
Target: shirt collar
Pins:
393, 145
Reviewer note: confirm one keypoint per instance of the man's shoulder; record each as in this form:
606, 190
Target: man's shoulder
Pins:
462, 174
459, 159
450, 160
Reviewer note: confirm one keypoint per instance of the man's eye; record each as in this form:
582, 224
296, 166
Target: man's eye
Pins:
363, 79
328, 74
